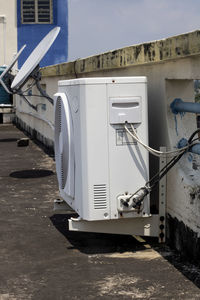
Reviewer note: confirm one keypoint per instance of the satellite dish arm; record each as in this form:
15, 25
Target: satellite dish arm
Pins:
36, 75
5, 87
6, 82
7, 72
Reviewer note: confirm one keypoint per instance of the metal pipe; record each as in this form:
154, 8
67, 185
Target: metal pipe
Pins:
179, 106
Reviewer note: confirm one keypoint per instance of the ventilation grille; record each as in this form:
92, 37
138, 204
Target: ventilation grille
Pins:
62, 175
59, 114
37, 11
28, 9
100, 196
58, 131
44, 12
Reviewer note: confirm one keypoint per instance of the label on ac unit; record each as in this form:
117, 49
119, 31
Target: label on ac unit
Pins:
123, 138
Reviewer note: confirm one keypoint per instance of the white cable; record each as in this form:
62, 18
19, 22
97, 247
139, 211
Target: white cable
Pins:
151, 150
160, 153
178, 151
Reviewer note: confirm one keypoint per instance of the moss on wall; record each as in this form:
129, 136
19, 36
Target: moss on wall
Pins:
176, 47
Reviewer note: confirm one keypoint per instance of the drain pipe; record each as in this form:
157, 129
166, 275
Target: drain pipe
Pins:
179, 106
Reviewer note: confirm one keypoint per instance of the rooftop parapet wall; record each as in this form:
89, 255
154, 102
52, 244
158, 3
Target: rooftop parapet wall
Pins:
172, 48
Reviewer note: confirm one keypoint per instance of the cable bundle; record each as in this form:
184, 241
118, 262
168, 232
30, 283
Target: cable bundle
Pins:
177, 154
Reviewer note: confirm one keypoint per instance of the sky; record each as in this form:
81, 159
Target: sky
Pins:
97, 26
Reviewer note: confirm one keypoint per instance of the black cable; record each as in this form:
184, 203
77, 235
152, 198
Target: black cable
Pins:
43, 93
170, 164
143, 191
193, 134
174, 159
32, 95
36, 76
26, 100
157, 174
164, 168
29, 88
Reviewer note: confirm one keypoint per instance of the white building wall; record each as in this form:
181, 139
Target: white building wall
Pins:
8, 31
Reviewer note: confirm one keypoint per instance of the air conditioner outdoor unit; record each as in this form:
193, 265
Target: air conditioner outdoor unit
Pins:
98, 164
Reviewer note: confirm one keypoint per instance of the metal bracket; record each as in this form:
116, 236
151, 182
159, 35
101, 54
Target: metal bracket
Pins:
162, 200
121, 207
60, 205
147, 226
152, 225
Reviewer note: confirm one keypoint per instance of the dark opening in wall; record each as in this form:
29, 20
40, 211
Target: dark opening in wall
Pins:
198, 121
1, 118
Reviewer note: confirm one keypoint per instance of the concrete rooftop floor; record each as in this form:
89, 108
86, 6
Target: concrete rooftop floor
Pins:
41, 259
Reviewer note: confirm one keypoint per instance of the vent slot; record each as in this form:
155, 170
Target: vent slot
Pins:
100, 196
44, 11
62, 176
59, 115
59, 129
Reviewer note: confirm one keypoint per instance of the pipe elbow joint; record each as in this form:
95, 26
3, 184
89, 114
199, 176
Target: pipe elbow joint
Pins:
174, 105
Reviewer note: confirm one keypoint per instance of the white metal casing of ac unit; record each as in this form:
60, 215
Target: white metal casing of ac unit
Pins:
96, 160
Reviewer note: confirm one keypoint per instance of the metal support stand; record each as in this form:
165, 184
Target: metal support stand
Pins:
144, 226
151, 225
60, 205
162, 199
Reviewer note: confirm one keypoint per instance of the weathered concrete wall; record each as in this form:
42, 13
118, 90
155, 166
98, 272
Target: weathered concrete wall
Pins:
9, 41
171, 66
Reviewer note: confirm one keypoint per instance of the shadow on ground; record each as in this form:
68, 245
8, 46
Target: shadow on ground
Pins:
188, 268
99, 243
94, 243
32, 173
8, 140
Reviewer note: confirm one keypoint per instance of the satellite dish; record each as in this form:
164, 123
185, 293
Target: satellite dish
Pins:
35, 57
9, 67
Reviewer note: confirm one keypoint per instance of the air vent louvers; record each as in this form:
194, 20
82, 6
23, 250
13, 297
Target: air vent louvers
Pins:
100, 196
62, 173
59, 115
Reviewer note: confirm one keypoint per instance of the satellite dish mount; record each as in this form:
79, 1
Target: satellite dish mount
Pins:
31, 69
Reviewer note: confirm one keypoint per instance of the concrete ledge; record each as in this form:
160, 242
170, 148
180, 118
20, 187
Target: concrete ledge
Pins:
175, 47
7, 110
